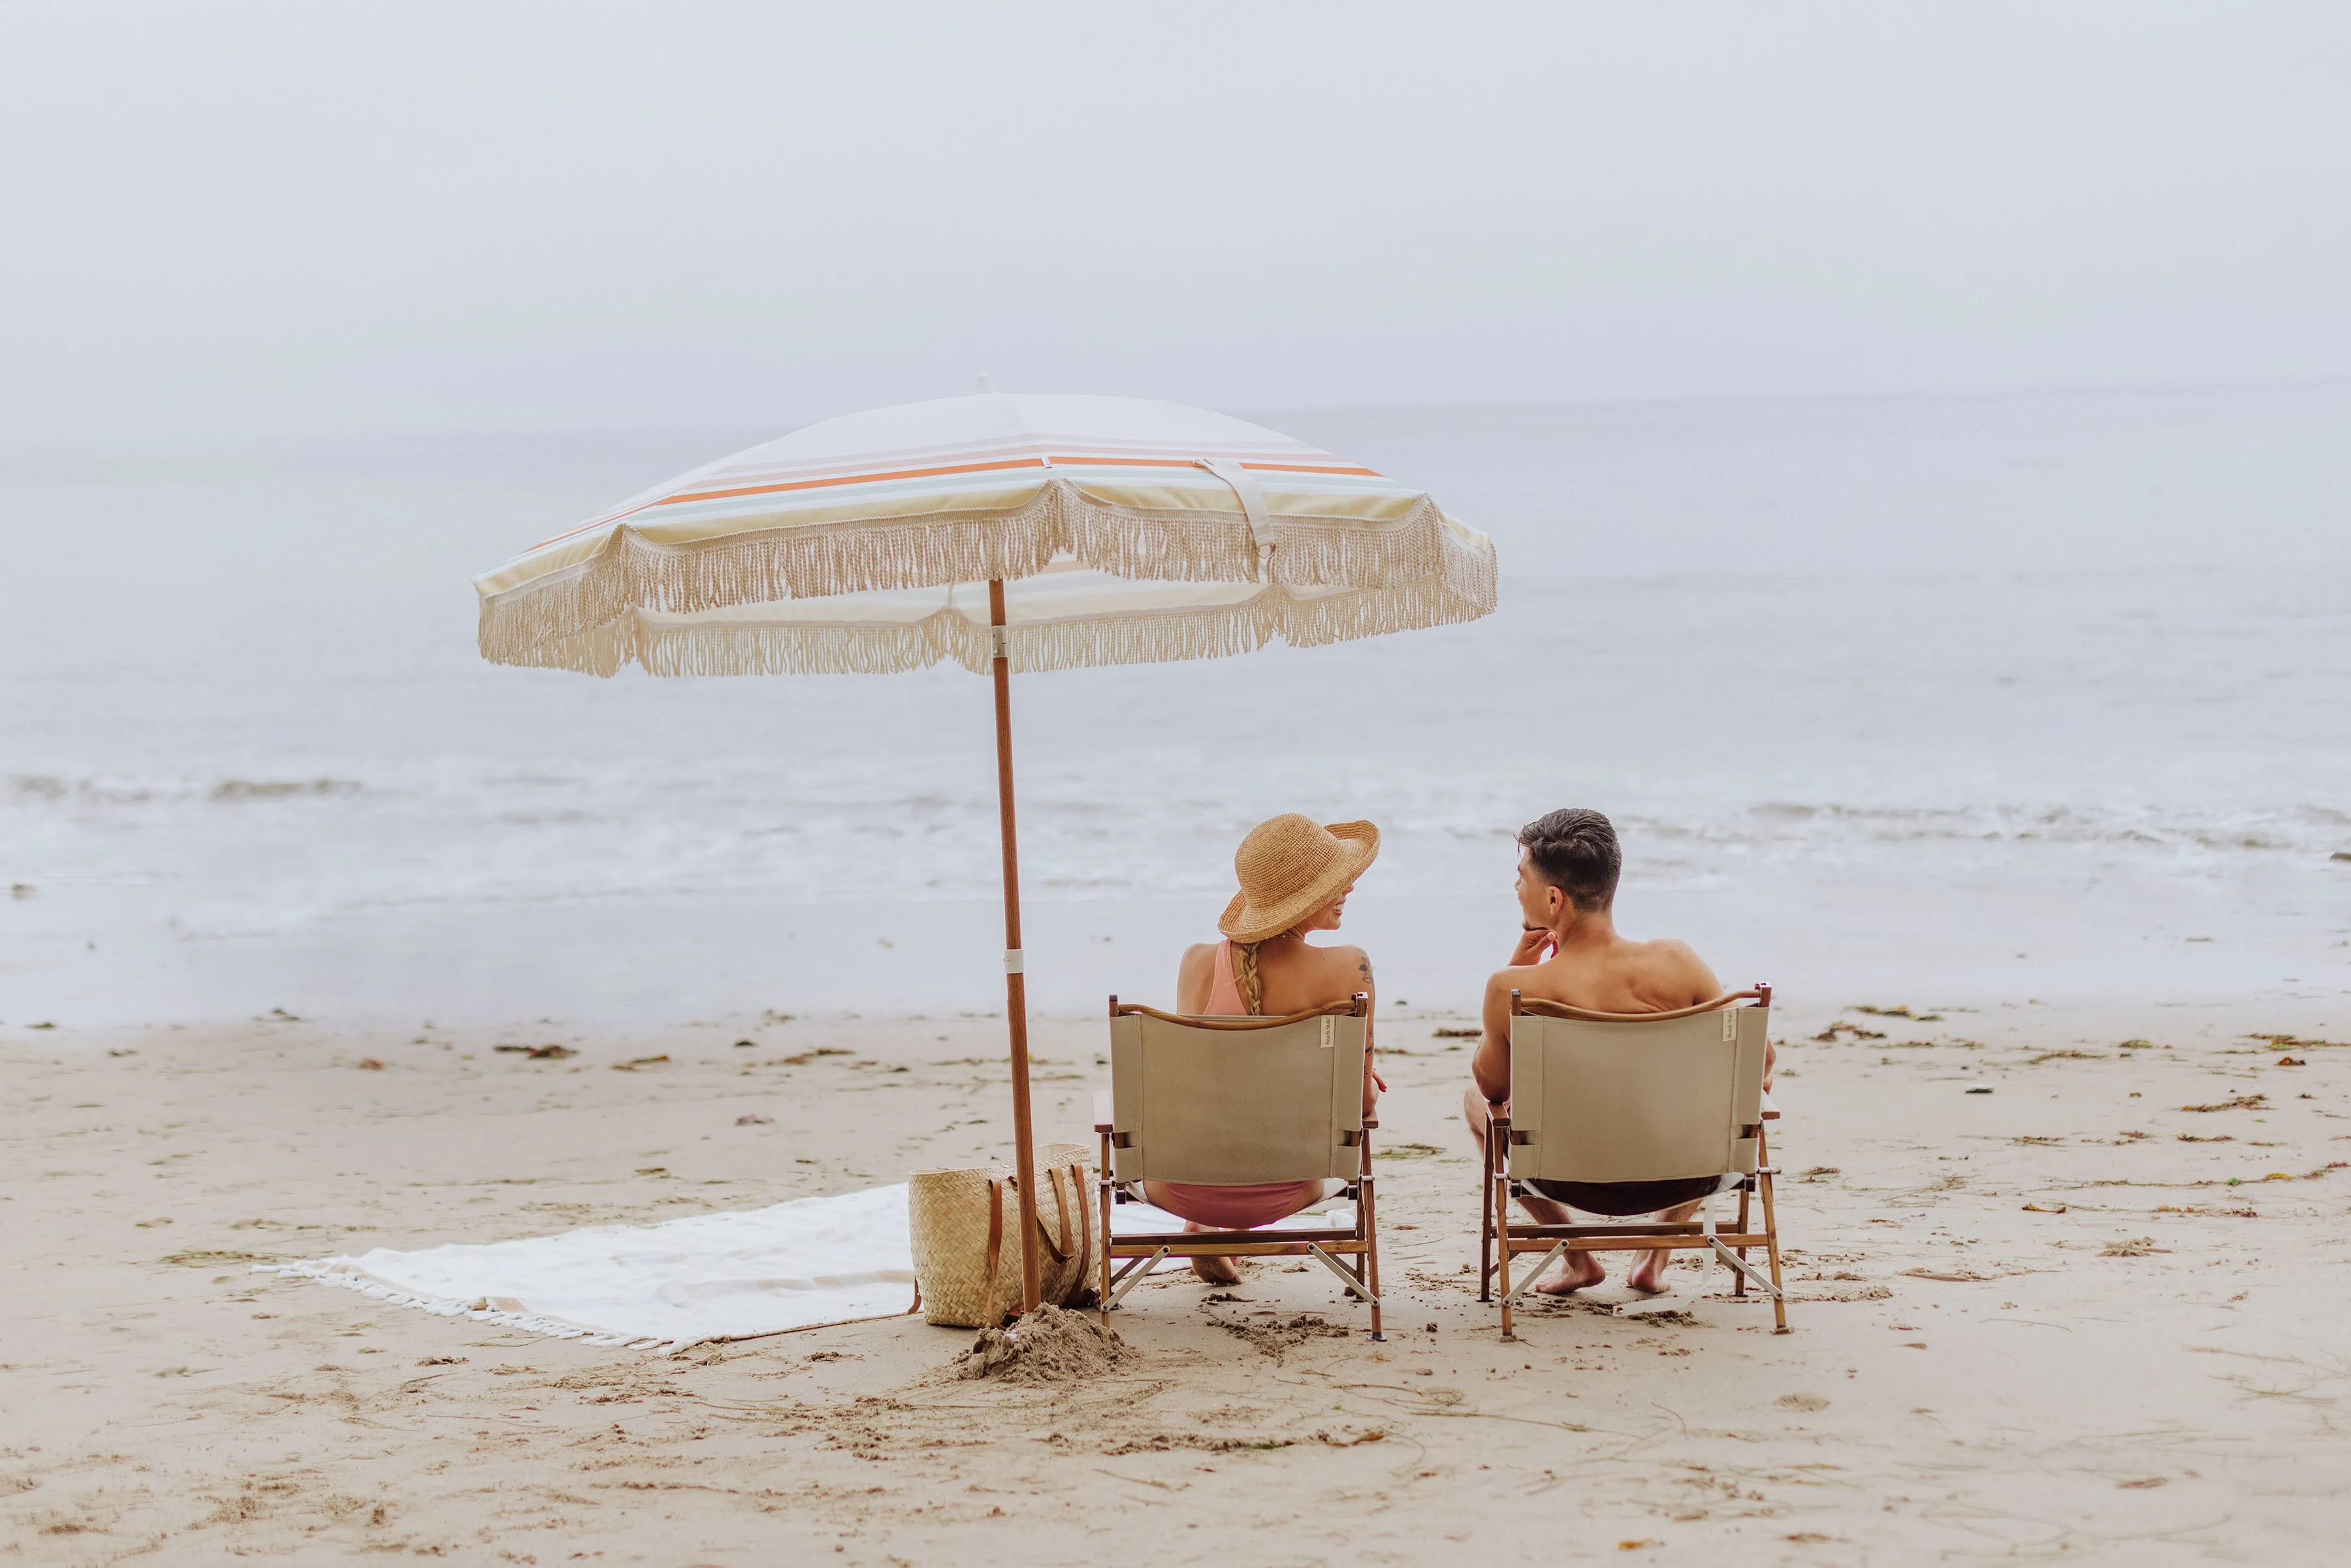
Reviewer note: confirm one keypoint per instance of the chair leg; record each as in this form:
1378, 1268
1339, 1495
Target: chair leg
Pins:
1101, 1296
1485, 1219
1738, 1279
1367, 1220
1771, 1239
1502, 1205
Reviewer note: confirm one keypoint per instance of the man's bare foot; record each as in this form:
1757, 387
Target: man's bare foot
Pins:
1648, 1276
1577, 1271
1218, 1271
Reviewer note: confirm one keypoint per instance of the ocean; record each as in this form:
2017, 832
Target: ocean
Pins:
1952, 701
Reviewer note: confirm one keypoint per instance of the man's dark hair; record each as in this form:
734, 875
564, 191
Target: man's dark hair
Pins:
1575, 851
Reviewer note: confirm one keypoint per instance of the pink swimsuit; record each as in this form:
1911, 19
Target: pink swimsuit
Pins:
1249, 1205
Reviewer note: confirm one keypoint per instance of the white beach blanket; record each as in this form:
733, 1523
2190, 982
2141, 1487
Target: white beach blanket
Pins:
802, 1264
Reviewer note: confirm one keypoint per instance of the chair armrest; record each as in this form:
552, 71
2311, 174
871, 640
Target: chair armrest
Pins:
1101, 1110
1770, 1112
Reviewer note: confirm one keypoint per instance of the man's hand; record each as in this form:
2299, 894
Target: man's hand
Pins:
1532, 949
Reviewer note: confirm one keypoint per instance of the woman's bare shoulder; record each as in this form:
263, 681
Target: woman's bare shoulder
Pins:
1349, 967
1195, 976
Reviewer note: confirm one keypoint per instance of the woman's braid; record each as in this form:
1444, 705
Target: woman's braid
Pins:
1246, 979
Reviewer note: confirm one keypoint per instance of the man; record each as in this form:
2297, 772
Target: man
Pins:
1568, 951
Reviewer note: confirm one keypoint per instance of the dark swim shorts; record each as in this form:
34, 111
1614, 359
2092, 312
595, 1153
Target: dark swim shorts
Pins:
1621, 1199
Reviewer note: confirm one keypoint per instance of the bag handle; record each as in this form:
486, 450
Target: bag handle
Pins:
1061, 1253
995, 1239
1060, 1246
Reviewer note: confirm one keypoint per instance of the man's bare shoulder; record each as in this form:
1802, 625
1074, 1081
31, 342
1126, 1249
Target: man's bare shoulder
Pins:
1502, 982
1667, 962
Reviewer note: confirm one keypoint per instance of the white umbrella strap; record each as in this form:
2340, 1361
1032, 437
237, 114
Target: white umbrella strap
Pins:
1244, 484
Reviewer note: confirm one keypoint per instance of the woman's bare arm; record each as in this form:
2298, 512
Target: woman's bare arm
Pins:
1373, 1083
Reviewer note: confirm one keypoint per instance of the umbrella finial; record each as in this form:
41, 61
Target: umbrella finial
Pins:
985, 384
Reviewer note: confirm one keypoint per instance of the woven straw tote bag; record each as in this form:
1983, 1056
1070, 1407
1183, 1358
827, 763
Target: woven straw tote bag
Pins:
966, 1228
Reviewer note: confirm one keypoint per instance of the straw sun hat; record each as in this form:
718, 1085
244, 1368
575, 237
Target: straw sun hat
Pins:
1289, 866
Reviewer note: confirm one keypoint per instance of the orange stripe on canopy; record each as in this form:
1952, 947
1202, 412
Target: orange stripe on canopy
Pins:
1189, 463
870, 477
849, 479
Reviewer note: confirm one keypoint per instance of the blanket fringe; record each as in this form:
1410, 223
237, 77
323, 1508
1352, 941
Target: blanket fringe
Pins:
448, 1307
529, 1323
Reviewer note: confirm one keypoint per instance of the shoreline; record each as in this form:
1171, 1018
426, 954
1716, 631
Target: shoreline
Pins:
627, 963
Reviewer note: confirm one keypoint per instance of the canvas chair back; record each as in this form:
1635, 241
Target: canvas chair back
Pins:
1228, 1101
1644, 1100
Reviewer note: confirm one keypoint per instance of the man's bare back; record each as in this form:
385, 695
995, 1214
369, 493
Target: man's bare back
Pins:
1592, 968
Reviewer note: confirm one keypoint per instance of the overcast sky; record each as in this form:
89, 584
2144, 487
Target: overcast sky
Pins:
482, 215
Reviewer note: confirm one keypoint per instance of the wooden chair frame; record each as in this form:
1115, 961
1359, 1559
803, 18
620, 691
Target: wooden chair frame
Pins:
1555, 1242
1359, 1243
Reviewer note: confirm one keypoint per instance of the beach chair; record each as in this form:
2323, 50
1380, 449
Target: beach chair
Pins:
1231, 1100
1631, 1097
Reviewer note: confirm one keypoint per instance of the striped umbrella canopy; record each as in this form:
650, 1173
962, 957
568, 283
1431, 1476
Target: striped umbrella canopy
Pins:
1009, 533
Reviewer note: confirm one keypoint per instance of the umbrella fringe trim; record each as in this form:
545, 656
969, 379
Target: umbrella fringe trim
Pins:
526, 625
1034, 647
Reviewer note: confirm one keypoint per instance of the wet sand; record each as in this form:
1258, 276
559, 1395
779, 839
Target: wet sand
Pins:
2151, 1375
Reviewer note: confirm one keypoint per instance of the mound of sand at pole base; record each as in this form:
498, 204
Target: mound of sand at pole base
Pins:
1047, 1346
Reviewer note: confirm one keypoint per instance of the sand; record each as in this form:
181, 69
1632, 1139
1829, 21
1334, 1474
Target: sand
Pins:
1050, 1344
2064, 1320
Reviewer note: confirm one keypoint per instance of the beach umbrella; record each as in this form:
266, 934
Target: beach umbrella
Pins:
1009, 534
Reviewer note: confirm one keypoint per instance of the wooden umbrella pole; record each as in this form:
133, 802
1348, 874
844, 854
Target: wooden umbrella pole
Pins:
1016, 990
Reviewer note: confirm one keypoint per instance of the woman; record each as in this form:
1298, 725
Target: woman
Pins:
1295, 875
